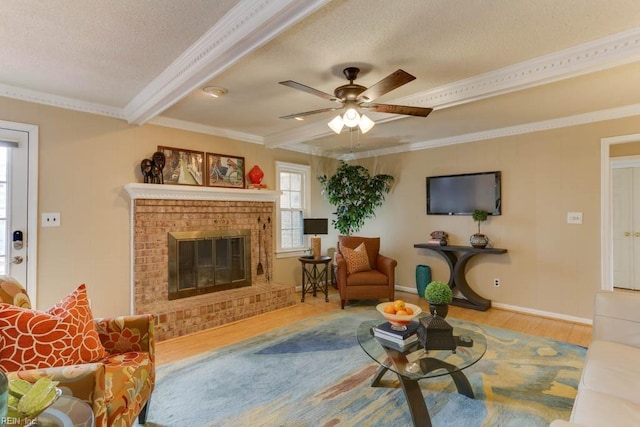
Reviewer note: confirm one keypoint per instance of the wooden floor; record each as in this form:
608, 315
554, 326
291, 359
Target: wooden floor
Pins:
179, 348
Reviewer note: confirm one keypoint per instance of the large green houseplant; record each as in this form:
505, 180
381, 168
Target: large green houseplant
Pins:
355, 194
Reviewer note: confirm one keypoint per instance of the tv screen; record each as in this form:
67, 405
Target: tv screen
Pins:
462, 194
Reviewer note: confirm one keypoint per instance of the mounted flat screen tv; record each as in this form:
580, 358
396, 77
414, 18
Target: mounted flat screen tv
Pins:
462, 194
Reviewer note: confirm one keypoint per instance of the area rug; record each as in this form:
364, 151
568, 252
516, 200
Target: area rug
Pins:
314, 373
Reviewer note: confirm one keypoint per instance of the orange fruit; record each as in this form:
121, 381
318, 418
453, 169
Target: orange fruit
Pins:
408, 310
401, 313
389, 308
399, 304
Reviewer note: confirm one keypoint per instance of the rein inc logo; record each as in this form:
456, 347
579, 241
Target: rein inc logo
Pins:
10, 421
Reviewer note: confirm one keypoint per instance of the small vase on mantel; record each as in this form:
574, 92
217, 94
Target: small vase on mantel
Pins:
255, 176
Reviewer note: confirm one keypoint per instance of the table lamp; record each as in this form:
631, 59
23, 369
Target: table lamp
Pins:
315, 226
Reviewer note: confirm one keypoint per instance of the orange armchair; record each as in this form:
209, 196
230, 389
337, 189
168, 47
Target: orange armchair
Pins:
363, 279
118, 387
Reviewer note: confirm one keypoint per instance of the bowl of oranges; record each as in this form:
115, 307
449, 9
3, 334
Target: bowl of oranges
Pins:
398, 313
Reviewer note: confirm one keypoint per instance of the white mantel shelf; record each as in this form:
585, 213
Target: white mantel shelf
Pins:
192, 192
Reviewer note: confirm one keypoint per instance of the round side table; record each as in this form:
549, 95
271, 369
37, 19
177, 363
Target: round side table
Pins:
314, 278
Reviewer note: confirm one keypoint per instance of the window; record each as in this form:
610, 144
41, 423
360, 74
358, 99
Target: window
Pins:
294, 181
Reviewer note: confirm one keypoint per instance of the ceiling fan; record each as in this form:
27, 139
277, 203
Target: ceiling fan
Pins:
354, 97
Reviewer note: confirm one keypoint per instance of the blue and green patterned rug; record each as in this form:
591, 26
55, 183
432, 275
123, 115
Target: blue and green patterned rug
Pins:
314, 373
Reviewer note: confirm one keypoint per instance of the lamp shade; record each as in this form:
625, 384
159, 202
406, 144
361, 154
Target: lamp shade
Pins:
351, 118
316, 226
365, 124
336, 124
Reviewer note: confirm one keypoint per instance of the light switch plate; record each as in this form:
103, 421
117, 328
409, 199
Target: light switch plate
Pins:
574, 217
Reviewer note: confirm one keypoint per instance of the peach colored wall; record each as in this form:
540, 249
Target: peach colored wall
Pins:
550, 265
85, 160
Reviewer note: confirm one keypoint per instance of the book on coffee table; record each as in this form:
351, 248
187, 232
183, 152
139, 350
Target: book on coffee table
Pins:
398, 345
407, 336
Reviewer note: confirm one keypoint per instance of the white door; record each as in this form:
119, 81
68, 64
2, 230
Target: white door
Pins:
626, 227
18, 210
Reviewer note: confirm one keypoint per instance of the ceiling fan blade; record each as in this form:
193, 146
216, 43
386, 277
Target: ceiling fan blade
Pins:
312, 91
308, 113
386, 85
399, 109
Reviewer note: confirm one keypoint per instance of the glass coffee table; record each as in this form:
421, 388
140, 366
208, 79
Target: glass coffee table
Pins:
414, 364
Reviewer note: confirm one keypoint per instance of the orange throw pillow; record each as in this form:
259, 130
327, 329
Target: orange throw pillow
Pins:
64, 335
357, 259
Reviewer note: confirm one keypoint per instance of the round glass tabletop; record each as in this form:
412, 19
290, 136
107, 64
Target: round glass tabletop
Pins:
414, 362
67, 411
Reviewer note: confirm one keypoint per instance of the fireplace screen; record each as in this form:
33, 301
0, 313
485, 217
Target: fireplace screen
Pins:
208, 261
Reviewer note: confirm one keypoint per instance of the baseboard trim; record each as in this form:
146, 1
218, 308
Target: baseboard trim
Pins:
524, 310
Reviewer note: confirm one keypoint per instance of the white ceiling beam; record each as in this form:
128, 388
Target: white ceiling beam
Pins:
249, 25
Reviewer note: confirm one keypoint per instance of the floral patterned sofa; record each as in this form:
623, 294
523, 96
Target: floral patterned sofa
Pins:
118, 386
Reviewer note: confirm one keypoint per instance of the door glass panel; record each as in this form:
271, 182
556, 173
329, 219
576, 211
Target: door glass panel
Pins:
186, 272
206, 272
3, 210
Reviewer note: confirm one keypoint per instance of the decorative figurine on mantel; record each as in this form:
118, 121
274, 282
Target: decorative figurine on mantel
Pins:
145, 167
152, 169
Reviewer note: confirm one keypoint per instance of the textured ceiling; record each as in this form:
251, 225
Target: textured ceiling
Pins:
486, 67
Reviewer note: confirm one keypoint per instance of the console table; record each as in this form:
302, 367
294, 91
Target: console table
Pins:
457, 265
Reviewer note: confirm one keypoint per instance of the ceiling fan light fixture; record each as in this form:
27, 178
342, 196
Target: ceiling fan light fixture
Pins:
351, 118
366, 124
336, 124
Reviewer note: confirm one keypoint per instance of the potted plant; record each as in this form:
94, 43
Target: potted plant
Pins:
355, 194
439, 295
479, 240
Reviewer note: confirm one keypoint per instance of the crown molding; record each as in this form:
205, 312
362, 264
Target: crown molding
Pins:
608, 52
60, 101
248, 25
575, 120
299, 147
208, 130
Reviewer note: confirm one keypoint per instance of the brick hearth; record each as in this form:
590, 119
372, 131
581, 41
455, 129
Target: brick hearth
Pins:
159, 209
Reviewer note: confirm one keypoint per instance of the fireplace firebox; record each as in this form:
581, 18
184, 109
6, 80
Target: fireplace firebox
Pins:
208, 261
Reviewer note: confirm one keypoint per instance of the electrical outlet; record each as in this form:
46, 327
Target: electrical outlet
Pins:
51, 219
496, 282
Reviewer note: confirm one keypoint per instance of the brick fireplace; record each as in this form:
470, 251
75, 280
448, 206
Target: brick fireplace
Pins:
157, 210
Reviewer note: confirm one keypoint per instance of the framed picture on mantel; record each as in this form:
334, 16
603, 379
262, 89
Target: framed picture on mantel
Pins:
225, 171
182, 166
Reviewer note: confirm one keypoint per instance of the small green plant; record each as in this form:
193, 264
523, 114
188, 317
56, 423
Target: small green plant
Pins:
479, 216
438, 292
